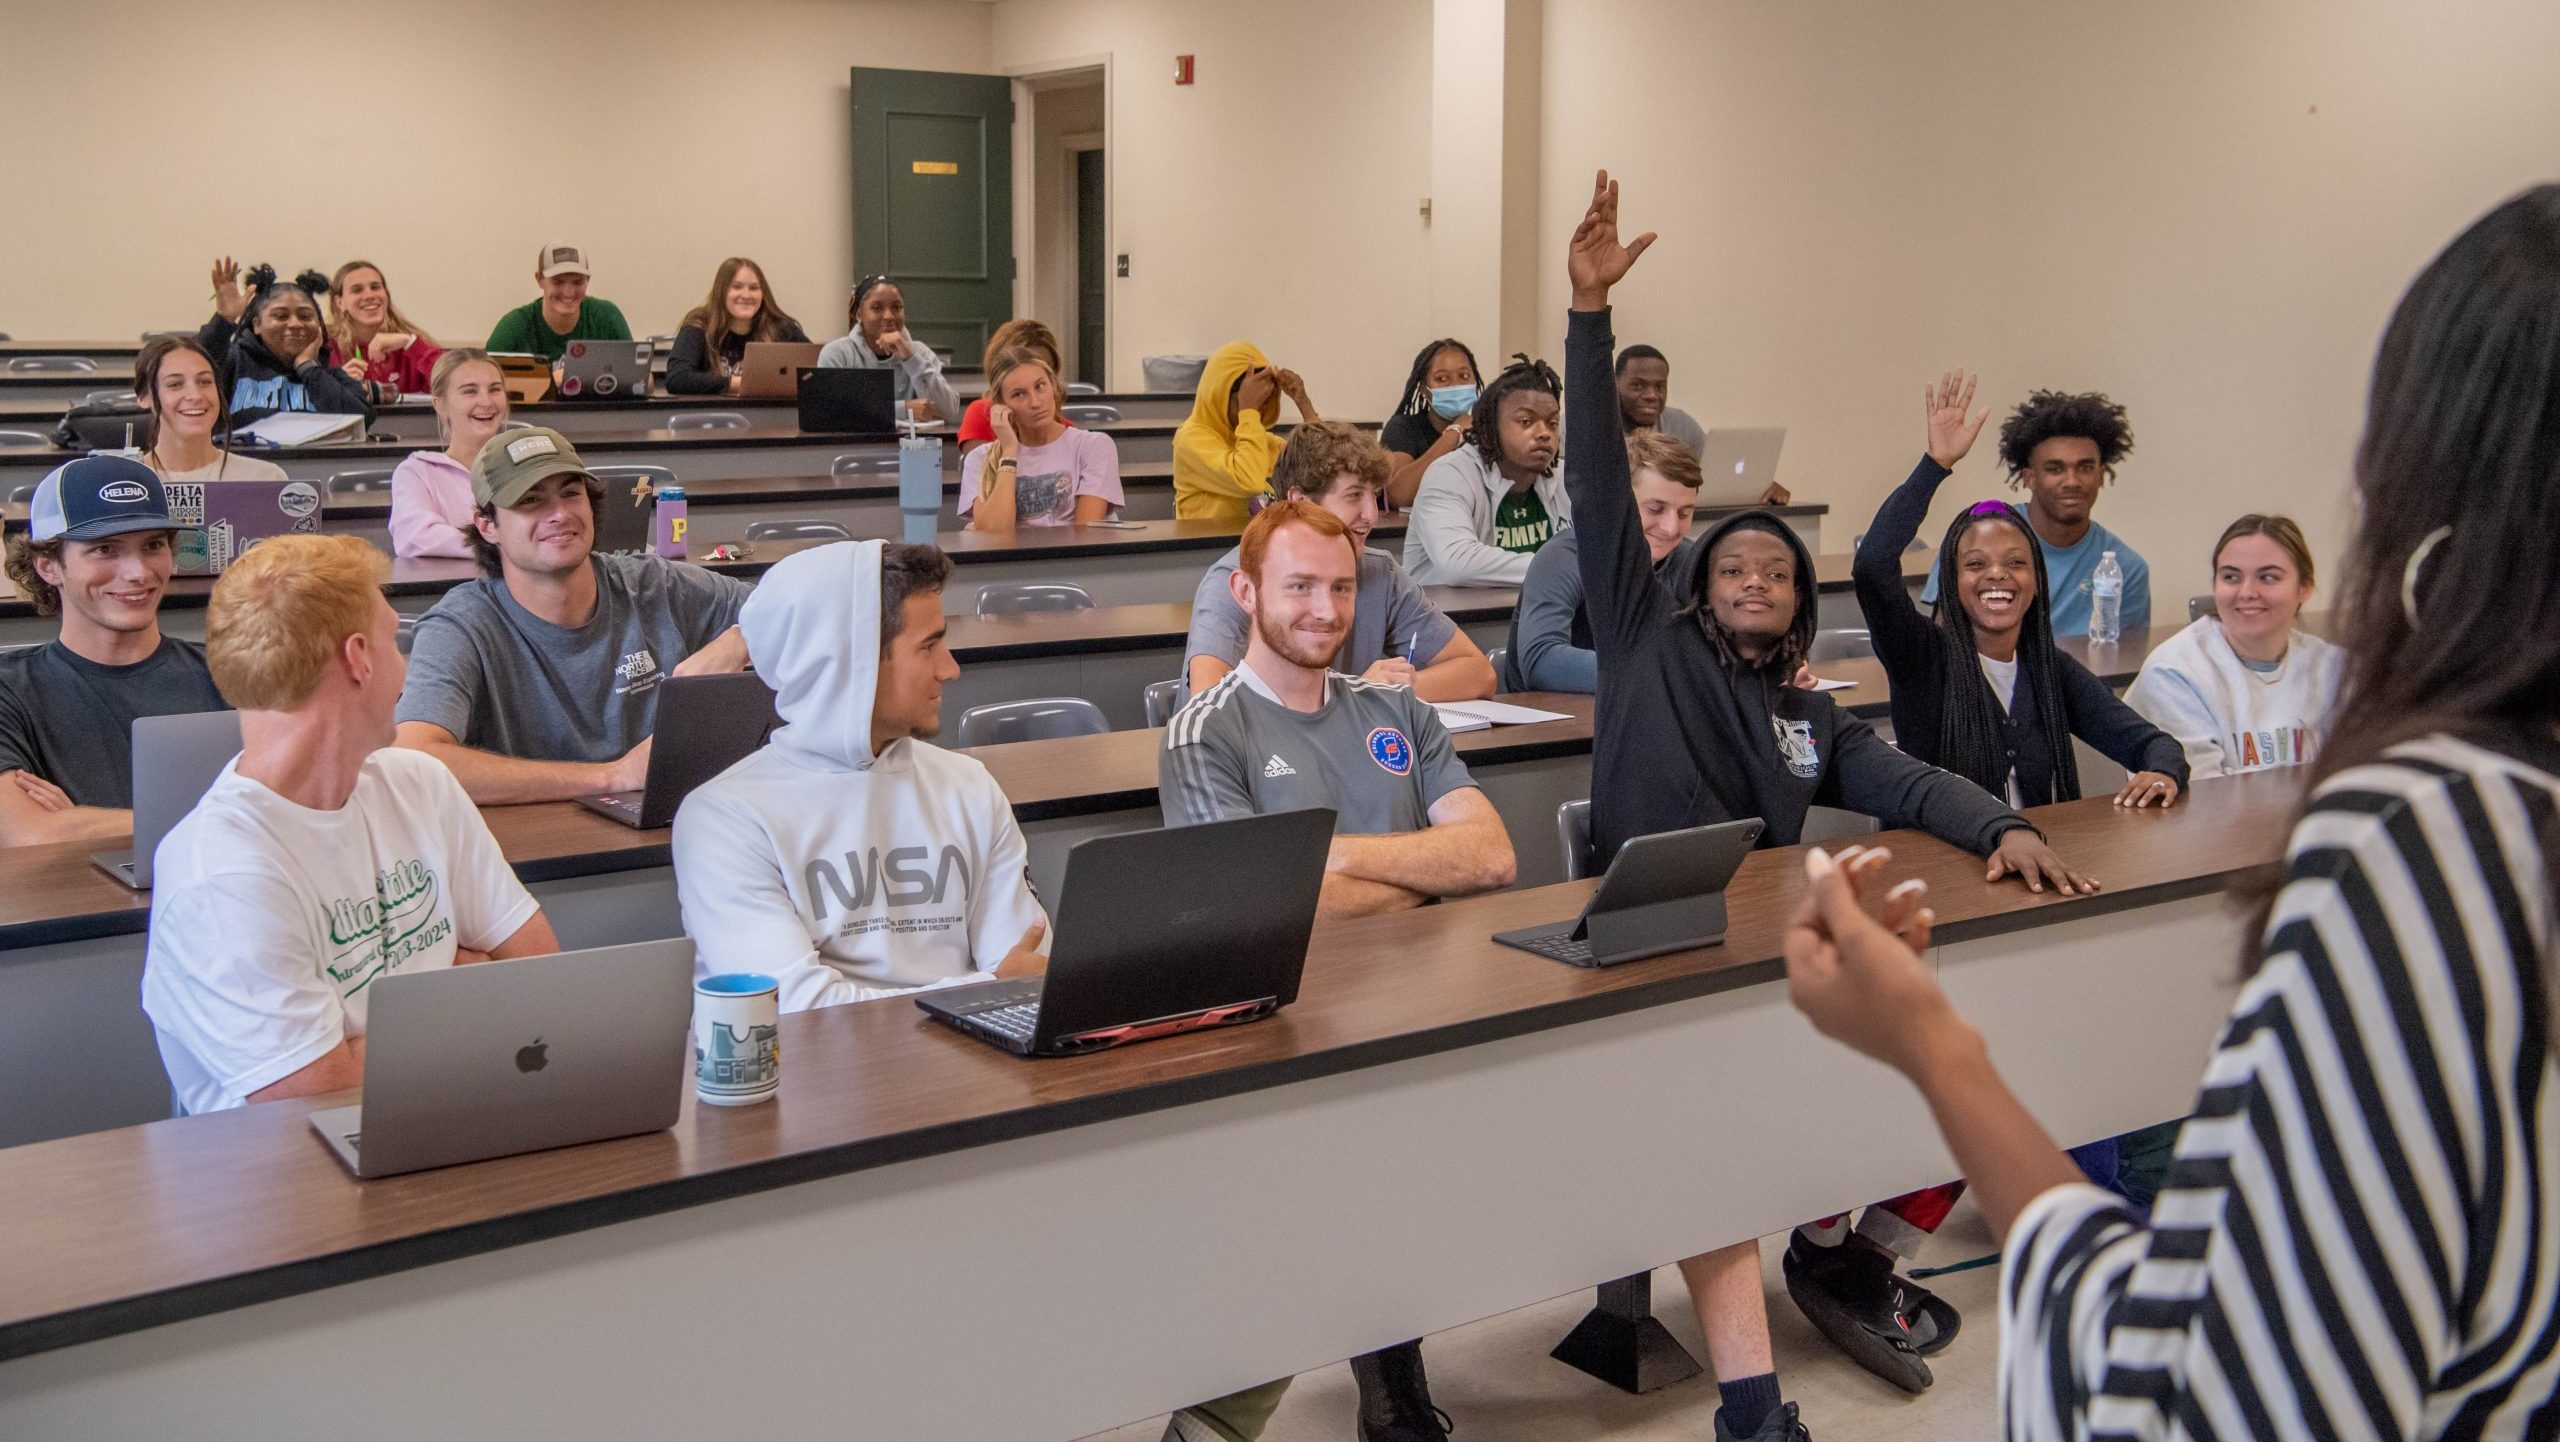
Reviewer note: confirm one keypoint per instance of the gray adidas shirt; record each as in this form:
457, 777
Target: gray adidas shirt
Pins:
1377, 755
1391, 617
502, 679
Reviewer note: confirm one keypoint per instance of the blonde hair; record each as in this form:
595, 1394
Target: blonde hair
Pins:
342, 328
442, 376
1651, 450
281, 612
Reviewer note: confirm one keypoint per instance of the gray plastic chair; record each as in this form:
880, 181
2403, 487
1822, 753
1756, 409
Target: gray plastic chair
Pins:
24, 438
95, 398
1018, 598
22, 495
623, 477
1165, 698
1917, 544
151, 335
2199, 607
1091, 415
1503, 680
1083, 388
17, 646
798, 531
865, 463
352, 483
66, 364
1844, 644
1047, 719
1830, 823
1573, 833
408, 633
707, 421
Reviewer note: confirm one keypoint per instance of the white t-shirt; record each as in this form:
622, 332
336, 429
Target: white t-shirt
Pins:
270, 921
2003, 676
228, 467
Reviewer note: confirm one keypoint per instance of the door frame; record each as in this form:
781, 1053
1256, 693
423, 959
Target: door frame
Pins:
1071, 339
1029, 79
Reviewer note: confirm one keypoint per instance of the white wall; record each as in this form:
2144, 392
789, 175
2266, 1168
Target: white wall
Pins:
445, 142
2206, 210
1277, 200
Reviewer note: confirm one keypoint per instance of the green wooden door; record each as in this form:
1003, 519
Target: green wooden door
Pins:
933, 200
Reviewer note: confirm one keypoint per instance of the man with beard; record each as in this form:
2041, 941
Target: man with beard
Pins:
1485, 508
539, 681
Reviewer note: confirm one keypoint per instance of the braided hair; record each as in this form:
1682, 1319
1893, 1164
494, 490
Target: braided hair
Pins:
1969, 718
1523, 374
1417, 382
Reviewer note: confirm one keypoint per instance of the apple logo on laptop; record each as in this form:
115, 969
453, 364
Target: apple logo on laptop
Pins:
531, 1058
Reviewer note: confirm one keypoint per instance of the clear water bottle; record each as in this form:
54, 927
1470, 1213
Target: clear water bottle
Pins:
2106, 602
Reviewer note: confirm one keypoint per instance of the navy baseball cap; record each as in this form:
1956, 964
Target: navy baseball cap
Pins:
98, 496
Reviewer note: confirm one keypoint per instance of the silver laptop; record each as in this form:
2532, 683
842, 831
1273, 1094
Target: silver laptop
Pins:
465, 1063
176, 759
603, 369
1739, 463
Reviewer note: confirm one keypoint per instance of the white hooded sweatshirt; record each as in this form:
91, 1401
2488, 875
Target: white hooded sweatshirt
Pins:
842, 875
2229, 718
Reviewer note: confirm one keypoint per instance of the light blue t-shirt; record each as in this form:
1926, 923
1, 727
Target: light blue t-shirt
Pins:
2068, 569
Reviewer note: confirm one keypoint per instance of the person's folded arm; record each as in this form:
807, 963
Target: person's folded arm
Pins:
495, 780
1465, 849
1544, 656
724, 654
1459, 671
25, 821
925, 379
1346, 895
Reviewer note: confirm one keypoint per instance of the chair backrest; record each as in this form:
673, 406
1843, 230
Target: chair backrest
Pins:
72, 364
350, 483
1573, 833
1830, 823
1091, 414
1844, 644
151, 335
22, 495
2199, 607
408, 633
1083, 388
24, 438
656, 476
106, 398
1045, 719
707, 421
1500, 656
1015, 598
1165, 698
855, 463
810, 530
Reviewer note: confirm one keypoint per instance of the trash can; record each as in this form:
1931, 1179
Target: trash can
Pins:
1173, 374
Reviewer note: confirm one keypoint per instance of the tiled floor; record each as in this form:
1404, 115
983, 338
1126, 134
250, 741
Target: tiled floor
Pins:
1494, 1378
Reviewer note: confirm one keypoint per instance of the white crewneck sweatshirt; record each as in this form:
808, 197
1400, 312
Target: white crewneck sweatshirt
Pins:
843, 875
2229, 718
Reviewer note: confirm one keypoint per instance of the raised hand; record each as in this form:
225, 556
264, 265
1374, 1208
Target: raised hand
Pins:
229, 301
1950, 433
1597, 259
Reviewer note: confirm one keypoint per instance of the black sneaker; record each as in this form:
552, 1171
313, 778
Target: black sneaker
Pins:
1779, 1426
1886, 1323
1395, 1397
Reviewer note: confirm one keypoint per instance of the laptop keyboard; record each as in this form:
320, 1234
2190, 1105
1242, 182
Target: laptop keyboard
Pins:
1570, 949
1016, 1022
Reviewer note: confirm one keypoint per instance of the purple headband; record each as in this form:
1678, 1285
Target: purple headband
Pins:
1989, 508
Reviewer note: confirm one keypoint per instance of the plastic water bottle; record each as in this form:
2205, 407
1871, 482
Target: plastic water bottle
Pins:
919, 486
668, 526
2106, 602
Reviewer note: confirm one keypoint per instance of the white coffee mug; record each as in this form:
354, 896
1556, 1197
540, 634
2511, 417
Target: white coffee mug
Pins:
737, 1044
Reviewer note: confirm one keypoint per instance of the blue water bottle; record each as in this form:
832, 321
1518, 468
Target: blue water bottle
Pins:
920, 485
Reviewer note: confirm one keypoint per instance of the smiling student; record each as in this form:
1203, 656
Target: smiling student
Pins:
2062, 449
371, 340
564, 313
180, 389
270, 348
431, 512
876, 336
2243, 689
739, 310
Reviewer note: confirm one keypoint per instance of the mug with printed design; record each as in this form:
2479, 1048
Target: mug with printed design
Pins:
737, 1044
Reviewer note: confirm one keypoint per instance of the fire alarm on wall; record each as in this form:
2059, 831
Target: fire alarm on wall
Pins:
1182, 70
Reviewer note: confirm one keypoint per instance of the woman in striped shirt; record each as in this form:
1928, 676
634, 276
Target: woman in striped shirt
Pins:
2360, 1237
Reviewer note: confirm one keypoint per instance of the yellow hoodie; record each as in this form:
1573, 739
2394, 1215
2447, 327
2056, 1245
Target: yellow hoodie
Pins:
1218, 467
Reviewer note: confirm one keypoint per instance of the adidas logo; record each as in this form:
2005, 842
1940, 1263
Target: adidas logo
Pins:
1277, 767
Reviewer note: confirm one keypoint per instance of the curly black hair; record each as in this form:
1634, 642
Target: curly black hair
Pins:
2047, 414
1485, 431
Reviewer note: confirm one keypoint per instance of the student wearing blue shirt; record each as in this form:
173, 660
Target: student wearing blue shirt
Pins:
2061, 449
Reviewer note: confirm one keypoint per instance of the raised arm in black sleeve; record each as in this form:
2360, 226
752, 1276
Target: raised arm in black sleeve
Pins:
1620, 598
1866, 775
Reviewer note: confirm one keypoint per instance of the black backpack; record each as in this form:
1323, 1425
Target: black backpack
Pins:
104, 423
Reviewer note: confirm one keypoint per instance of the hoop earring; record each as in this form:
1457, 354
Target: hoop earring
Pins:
2409, 573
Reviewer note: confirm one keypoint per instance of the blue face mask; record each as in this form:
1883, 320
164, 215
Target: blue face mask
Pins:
1451, 402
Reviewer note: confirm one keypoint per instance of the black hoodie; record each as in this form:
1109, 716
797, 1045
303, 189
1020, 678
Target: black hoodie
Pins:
1681, 738
257, 383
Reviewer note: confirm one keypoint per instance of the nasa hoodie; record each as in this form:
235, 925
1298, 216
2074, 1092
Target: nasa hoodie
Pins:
842, 874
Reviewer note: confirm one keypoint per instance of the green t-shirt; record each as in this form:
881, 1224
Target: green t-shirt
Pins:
1521, 523
523, 331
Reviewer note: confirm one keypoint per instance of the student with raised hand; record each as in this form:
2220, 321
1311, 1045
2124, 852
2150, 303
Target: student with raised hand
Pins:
2355, 1241
2063, 449
1979, 688
1550, 640
97, 551
270, 348
1397, 636
740, 309
1486, 507
1439, 399
1039, 471
372, 341
876, 336
1223, 452
976, 426
181, 390
564, 313
322, 859
431, 506
768, 853
1412, 825
2243, 689
539, 681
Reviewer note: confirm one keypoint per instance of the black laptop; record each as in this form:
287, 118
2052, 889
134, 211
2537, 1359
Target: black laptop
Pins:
1663, 893
706, 724
1161, 932
846, 400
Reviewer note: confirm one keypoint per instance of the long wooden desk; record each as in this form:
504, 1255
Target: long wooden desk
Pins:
1439, 1130
32, 409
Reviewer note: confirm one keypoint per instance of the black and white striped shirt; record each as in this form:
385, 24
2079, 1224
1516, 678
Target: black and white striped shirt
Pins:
2359, 1237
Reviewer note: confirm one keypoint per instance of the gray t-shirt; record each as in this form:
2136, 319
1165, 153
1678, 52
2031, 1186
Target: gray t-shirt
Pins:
1391, 618
1683, 427
70, 720
503, 679
1377, 755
